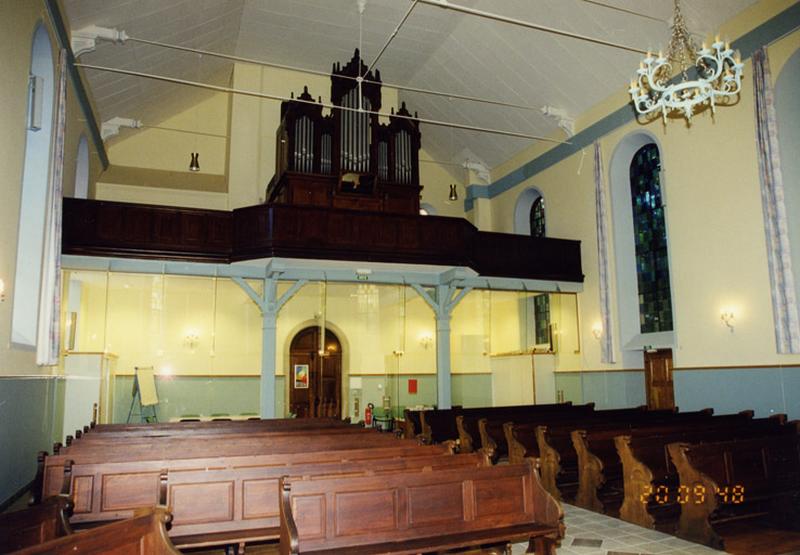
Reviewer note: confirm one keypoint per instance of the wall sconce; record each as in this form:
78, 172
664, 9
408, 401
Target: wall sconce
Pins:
191, 339
398, 353
426, 340
453, 193
727, 316
597, 330
194, 164
2, 290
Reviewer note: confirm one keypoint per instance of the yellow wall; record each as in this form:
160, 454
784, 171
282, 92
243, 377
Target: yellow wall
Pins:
166, 145
436, 180
714, 220
18, 22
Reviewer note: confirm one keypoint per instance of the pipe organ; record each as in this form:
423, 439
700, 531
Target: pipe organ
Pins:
347, 158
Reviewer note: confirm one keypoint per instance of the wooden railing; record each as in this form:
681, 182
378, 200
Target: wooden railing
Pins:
104, 228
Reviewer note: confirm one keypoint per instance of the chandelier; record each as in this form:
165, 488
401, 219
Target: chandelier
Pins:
719, 75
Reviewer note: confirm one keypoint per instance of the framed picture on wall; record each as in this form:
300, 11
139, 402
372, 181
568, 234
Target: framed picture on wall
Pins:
301, 376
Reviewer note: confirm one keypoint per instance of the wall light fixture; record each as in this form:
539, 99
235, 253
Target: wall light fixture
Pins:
727, 316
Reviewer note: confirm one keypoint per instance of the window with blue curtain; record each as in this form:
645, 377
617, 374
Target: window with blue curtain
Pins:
650, 238
541, 303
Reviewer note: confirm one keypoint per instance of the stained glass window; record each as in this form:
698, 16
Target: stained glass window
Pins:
650, 237
541, 303
537, 218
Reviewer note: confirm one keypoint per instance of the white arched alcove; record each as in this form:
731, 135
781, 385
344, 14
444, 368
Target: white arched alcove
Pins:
787, 110
82, 169
631, 339
522, 210
35, 180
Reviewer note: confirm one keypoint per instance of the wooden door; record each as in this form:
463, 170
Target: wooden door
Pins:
315, 385
658, 379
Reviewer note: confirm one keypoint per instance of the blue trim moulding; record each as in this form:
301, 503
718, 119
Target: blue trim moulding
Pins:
80, 90
766, 33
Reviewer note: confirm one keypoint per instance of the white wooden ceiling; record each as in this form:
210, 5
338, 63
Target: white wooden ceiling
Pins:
436, 49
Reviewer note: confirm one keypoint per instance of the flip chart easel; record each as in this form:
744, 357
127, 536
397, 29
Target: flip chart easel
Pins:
144, 394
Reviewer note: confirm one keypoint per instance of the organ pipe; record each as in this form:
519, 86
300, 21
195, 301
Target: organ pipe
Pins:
342, 142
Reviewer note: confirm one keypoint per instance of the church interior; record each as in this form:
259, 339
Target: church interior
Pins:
400, 276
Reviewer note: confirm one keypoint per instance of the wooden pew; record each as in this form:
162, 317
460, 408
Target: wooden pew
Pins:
649, 475
412, 425
557, 455
219, 499
202, 518
37, 524
603, 476
231, 444
419, 512
177, 428
144, 534
231, 433
483, 430
492, 434
440, 424
733, 480
171, 452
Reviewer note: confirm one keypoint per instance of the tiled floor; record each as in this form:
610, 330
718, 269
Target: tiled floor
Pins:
591, 533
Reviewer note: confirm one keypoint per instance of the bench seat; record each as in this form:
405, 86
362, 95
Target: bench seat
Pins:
510, 534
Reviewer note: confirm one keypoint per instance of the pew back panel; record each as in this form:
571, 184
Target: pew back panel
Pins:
419, 512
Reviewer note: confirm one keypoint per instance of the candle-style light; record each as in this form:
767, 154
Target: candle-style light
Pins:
719, 75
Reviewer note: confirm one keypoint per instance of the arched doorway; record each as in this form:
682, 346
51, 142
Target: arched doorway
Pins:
315, 380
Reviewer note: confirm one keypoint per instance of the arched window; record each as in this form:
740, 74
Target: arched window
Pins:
82, 169
541, 303
36, 169
642, 278
786, 87
650, 240
537, 218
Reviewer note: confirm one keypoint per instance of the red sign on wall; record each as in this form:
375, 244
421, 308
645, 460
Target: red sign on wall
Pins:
412, 385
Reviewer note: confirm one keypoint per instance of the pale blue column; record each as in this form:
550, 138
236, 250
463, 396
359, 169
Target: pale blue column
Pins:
268, 349
270, 305
442, 303
443, 395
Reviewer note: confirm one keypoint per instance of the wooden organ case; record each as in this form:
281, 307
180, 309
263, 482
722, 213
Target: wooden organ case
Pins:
347, 159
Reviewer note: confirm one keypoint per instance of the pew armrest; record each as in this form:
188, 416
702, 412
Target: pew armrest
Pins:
549, 463
637, 478
464, 437
488, 444
516, 450
694, 523
289, 544
590, 473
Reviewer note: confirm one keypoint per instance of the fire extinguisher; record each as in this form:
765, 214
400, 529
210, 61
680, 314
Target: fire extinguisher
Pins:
368, 415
